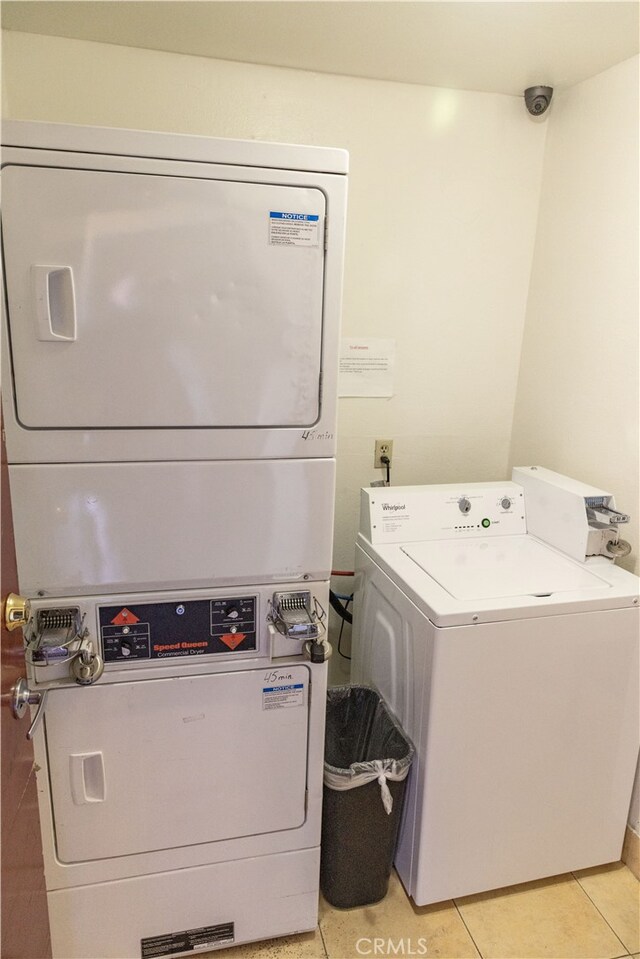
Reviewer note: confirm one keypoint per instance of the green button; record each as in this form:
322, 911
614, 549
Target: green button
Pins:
486, 523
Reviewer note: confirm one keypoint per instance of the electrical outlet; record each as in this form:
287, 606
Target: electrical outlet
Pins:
383, 448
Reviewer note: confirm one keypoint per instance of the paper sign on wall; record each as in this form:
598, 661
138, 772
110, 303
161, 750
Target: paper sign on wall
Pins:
366, 367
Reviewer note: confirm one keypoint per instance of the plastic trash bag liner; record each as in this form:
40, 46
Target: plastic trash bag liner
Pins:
363, 742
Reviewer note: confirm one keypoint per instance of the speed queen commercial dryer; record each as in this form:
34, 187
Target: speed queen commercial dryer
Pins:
511, 659
170, 349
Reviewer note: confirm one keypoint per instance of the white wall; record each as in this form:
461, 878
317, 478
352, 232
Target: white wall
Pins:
442, 211
577, 402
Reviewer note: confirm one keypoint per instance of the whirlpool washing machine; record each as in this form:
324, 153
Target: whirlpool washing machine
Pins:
495, 624
170, 340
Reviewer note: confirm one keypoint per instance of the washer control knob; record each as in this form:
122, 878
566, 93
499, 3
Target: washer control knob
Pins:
464, 505
231, 613
505, 502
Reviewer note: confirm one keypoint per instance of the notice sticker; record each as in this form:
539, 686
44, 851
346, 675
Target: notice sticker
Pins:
280, 697
294, 229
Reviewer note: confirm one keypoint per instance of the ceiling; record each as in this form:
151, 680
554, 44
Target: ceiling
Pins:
499, 47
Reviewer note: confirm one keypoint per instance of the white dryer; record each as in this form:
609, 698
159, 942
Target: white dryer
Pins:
512, 662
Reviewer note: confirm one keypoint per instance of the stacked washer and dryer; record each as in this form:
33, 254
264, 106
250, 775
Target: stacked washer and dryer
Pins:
170, 340
495, 624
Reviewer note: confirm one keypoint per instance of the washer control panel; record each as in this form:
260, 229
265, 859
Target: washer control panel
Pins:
177, 629
415, 513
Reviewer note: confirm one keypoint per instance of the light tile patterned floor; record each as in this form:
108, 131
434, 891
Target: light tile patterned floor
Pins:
552, 918
614, 891
592, 914
427, 930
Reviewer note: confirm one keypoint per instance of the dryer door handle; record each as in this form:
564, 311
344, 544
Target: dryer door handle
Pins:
88, 783
55, 303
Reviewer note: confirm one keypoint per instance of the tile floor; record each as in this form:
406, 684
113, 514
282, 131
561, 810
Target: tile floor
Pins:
591, 914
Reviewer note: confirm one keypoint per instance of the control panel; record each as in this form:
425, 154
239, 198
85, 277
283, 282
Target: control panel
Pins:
178, 629
405, 514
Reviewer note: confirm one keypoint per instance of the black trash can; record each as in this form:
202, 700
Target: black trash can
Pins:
367, 760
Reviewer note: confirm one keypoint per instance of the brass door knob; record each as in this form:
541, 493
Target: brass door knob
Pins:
17, 611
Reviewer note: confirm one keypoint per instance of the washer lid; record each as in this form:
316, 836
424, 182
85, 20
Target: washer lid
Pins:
499, 567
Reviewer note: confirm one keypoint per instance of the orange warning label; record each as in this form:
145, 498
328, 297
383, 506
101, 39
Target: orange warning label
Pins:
125, 618
233, 640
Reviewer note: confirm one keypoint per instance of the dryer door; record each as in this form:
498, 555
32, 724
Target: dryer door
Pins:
140, 300
156, 764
